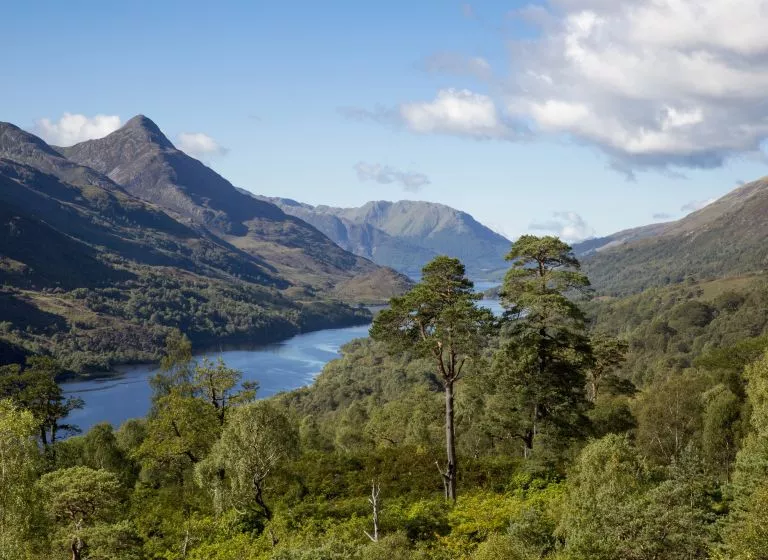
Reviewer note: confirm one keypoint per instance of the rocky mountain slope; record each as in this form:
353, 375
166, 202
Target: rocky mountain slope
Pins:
145, 163
405, 235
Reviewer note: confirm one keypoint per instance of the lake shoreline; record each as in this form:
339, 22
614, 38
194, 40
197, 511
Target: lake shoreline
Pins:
228, 343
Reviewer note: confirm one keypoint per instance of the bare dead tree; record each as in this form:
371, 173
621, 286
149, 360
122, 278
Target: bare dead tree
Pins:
374, 501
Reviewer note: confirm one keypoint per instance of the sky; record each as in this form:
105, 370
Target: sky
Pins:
573, 117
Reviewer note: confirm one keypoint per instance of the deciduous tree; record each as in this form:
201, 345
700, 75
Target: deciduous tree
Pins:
19, 458
256, 440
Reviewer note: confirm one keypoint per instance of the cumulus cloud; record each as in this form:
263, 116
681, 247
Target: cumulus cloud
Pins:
694, 205
72, 128
453, 112
569, 226
456, 112
458, 64
386, 175
655, 84
200, 145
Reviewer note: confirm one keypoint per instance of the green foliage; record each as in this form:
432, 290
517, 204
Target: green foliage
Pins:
34, 388
540, 368
618, 507
666, 333
256, 440
179, 434
19, 460
77, 499
680, 469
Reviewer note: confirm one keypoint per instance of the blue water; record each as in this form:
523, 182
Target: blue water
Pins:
278, 367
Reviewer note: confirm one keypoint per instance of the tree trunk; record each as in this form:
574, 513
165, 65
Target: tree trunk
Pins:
260, 499
528, 443
449, 475
77, 548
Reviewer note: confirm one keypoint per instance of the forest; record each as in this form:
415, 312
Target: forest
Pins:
571, 427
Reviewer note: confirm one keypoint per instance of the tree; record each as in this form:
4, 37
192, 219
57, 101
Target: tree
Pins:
669, 417
256, 439
721, 429
97, 449
35, 389
217, 383
19, 458
608, 354
213, 382
439, 319
540, 366
179, 433
746, 536
77, 498
175, 366
619, 507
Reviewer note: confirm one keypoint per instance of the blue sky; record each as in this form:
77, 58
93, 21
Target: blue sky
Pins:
517, 113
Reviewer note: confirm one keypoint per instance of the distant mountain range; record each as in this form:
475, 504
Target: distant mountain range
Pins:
726, 238
406, 235
108, 243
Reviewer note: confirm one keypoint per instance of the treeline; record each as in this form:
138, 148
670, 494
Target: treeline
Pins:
448, 434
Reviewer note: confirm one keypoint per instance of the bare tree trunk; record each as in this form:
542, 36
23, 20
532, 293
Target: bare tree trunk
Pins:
374, 501
449, 475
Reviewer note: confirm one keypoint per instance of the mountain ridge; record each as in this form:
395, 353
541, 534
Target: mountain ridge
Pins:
727, 237
406, 234
141, 159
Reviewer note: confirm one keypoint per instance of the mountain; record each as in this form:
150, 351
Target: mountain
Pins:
597, 244
140, 159
726, 238
95, 275
406, 235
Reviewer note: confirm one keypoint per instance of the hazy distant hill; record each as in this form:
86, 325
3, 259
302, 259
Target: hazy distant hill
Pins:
405, 235
725, 238
93, 274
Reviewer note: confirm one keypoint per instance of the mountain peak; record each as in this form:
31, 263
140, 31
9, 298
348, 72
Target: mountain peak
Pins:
145, 128
144, 122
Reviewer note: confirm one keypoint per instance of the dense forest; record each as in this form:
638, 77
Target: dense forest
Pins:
571, 427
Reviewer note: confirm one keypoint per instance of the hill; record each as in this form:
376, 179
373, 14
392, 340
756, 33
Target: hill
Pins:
95, 275
405, 235
726, 238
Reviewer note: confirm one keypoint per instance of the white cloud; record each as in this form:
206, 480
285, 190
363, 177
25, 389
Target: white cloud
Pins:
73, 128
453, 112
654, 83
569, 226
457, 112
662, 216
200, 145
385, 175
694, 205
